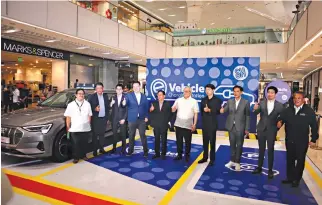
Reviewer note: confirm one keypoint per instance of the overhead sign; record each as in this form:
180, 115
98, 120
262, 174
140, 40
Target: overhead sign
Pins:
284, 90
173, 75
29, 49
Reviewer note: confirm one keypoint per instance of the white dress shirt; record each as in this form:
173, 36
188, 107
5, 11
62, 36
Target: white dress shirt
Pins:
79, 113
297, 109
138, 97
237, 102
186, 109
119, 98
270, 106
16, 94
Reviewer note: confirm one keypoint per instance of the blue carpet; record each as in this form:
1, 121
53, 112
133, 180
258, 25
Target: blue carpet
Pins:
220, 179
161, 173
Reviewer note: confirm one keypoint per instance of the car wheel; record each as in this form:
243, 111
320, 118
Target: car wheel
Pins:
61, 149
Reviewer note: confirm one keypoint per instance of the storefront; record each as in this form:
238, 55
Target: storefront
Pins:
41, 69
313, 87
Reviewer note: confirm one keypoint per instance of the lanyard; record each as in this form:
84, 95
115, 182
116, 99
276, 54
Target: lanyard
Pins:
79, 107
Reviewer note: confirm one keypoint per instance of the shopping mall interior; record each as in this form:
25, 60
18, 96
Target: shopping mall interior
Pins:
49, 49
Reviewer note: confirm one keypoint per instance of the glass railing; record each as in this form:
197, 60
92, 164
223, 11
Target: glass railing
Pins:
124, 16
232, 38
303, 7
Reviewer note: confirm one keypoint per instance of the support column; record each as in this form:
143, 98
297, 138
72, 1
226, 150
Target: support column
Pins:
60, 75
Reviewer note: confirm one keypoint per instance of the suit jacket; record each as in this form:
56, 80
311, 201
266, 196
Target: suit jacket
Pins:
161, 118
241, 115
119, 112
209, 120
93, 100
134, 109
268, 121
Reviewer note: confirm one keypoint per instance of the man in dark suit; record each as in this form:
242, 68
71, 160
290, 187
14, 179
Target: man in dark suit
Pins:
138, 110
237, 124
160, 120
269, 111
298, 121
119, 116
100, 108
210, 108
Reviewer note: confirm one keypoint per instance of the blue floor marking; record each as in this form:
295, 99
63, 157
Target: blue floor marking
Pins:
220, 179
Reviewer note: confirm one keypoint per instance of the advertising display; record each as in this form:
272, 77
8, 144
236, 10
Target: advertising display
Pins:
284, 91
173, 75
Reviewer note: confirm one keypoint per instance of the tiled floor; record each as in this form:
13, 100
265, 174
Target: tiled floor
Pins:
103, 182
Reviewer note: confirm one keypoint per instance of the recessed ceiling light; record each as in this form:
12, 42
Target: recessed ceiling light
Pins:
36, 61
305, 64
309, 61
125, 57
317, 55
11, 30
8, 67
172, 15
34, 66
208, 4
180, 21
212, 23
51, 41
31, 64
106, 53
182, 7
91, 59
278, 67
162, 9
90, 64
299, 69
48, 63
139, 60
82, 47
229, 18
16, 64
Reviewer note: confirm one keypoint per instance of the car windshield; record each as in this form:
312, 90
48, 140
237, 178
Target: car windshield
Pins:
58, 100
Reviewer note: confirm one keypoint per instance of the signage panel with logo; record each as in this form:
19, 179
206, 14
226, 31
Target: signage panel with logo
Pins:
29, 49
173, 75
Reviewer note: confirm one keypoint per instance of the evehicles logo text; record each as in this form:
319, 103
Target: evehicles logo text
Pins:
240, 72
156, 85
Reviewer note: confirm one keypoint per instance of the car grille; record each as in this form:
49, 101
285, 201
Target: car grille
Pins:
14, 134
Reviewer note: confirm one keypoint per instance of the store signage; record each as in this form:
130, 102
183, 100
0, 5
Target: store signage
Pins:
209, 31
284, 90
23, 48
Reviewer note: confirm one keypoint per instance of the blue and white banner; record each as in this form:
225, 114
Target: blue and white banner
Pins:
173, 75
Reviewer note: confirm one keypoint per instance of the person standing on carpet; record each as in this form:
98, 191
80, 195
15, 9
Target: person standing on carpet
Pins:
78, 122
119, 116
210, 108
298, 120
237, 124
269, 111
160, 120
100, 108
186, 121
138, 110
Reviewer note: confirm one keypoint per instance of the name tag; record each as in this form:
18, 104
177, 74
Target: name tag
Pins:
302, 114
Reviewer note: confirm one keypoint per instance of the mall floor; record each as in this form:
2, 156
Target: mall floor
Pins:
115, 179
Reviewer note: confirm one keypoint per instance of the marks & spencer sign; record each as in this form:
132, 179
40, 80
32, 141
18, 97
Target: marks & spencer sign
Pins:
23, 48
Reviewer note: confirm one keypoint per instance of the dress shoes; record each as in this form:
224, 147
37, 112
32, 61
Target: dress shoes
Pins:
257, 171
75, 161
202, 161
155, 156
95, 153
179, 157
287, 181
270, 174
145, 155
295, 183
211, 163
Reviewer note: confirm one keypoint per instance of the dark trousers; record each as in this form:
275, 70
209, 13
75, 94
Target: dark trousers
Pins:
139, 124
209, 135
99, 127
236, 139
186, 134
160, 134
117, 135
16, 106
6, 105
269, 137
79, 142
295, 159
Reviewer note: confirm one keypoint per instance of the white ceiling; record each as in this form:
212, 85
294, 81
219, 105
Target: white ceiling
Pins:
219, 14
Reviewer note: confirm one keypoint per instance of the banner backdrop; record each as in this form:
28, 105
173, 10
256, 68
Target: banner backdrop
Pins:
173, 75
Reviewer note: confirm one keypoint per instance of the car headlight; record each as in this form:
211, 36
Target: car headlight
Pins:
39, 128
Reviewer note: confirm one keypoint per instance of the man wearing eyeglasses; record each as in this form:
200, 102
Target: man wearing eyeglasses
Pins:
187, 115
78, 122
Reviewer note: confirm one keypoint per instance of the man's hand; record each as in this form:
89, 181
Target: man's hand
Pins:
206, 109
152, 108
146, 120
222, 110
174, 108
256, 106
246, 132
97, 109
169, 123
193, 128
67, 129
112, 102
124, 102
279, 124
122, 122
312, 144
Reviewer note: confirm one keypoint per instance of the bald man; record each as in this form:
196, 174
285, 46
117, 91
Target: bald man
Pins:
187, 115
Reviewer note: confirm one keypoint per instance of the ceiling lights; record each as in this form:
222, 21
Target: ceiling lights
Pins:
91, 59
82, 47
317, 55
212, 23
11, 30
229, 18
162, 9
106, 53
299, 69
172, 15
182, 7
51, 41
309, 61
125, 57
180, 21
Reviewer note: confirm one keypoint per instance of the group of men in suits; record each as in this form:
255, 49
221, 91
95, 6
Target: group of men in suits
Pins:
133, 108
